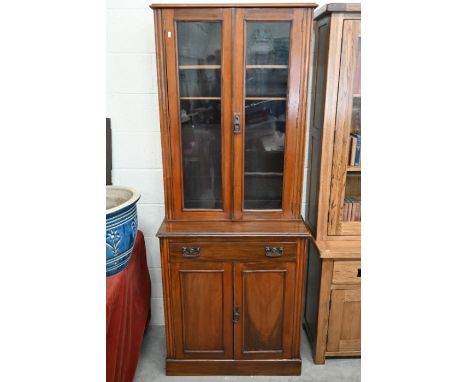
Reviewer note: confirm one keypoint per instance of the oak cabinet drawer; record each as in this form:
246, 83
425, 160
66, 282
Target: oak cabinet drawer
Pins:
347, 272
239, 251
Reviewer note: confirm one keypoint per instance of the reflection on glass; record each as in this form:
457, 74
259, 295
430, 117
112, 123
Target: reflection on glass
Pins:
265, 123
199, 83
356, 113
201, 152
199, 58
199, 43
266, 77
266, 82
268, 43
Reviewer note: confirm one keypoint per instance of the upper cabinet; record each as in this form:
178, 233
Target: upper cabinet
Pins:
335, 178
232, 88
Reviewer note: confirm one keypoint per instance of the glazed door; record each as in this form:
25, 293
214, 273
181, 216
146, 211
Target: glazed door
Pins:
202, 304
198, 49
267, 73
345, 192
344, 328
264, 302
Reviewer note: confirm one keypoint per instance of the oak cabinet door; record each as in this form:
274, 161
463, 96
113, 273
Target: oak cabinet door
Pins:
202, 304
345, 188
264, 299
344, 328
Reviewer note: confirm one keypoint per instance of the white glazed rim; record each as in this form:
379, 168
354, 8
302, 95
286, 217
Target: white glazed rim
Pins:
135, 196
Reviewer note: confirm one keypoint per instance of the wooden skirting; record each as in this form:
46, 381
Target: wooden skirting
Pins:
233, 367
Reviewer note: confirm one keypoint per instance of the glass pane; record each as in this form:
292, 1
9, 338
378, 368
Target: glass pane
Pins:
199, 82
268, 43
264, 154
199, 42
201, 153
352, 201
266, 80
199, 47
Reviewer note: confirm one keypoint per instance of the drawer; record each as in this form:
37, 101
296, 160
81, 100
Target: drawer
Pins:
346, 272
241, 251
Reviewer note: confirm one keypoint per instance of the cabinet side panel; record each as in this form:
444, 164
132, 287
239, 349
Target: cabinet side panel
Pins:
166, 281
163, 111
322, 31
312, 291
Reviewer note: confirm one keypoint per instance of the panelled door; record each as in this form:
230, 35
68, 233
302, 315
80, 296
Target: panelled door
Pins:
263, 306
198, 50
202, 303
344, 327
267, 75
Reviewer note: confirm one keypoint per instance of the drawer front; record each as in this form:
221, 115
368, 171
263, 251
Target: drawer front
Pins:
241, 251
347, 272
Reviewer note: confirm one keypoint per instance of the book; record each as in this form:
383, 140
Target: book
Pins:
358, 212
357, 155
352, 149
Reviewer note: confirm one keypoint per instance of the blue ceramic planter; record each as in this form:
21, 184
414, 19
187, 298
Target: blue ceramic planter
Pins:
121, 227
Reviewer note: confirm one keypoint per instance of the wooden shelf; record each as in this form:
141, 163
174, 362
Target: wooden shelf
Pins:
265, 98
206, 98
266, 66
261, 173
199, 66
354, 168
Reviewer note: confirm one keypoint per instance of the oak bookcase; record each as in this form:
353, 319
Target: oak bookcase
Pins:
333, 305
232, 86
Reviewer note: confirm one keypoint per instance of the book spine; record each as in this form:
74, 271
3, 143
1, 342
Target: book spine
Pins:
357, 158
352, 153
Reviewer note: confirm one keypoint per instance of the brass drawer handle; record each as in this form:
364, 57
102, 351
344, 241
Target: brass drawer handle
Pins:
273, 251
190, 251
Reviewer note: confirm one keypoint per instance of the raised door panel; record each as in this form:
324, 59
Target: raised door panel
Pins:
268, 70
198, 67
344, 216
202, 304
344, 328
264, 296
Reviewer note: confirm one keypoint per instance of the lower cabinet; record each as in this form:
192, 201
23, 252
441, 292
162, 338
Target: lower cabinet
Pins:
332, 316
244, 312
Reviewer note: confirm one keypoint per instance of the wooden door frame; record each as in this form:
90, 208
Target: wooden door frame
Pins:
335, 22
170, 118
348, 54
298, 76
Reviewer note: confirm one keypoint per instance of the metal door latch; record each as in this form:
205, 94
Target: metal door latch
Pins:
236, 314
236, 123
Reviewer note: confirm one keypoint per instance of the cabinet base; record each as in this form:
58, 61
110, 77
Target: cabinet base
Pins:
319, 359
233, 367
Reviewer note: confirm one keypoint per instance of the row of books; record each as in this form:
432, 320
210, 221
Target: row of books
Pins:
355, 150
351, 209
